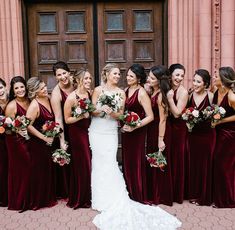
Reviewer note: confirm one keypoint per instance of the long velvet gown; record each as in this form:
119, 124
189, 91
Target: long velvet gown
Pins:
178, 143
3, 168
159, 183
224, 159
62, 173
19, 169
201, 145
80, 175
42, 185
133, 153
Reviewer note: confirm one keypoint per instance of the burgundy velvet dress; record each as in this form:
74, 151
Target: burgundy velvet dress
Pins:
62, 173
42, 185
19, 169
201, 145
224, 159
159, 183
178, 143
3, 168
80, 175
133, 153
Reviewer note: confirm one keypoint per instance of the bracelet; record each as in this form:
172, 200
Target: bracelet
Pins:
160, 136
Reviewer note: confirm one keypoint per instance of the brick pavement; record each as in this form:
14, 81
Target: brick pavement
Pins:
61, 217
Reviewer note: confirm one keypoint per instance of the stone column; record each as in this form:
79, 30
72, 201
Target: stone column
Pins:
11, 40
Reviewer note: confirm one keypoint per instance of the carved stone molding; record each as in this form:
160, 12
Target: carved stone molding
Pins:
216, 36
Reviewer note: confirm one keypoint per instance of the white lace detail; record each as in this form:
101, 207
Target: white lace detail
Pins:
109, 193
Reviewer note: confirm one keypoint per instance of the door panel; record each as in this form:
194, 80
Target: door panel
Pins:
59, 32
130, 32
126, 33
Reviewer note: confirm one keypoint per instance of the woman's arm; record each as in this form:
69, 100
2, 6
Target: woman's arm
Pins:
176, 109
11, 109
32, 114
95, 95
56, 107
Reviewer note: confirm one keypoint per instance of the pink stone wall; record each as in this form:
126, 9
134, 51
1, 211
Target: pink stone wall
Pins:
11, 39
201, 34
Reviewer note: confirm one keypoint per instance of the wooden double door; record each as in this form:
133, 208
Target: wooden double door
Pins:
87, 34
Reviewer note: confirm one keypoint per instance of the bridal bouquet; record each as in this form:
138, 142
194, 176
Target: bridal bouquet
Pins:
20, 123
157, 159
113, 100
84, 105
214, 112
191, 116
61, 157
51, 129
130, 118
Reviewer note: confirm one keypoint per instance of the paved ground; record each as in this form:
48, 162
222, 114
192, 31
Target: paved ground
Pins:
61, 217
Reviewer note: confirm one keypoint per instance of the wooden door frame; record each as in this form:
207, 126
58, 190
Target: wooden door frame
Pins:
95, 34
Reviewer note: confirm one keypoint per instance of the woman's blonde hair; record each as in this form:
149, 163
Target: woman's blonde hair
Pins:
106, 71
33, 86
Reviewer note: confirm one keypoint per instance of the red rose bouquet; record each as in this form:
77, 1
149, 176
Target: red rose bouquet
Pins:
51, 129
191, 116
213, 112
157, 159
84, 105
61, 157
130, 118
20, 123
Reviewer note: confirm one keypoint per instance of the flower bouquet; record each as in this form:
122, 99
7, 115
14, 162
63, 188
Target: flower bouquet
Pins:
2, 124
113, 100
213, 112
6, 124
192, 117
130, 118
61, 157
84, 105
20, 123
157, 159
51, 129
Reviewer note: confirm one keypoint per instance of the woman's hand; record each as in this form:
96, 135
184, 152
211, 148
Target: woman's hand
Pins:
48, 140
127, 128
64, 145
86, 115
161, 144
106, 109
170, 94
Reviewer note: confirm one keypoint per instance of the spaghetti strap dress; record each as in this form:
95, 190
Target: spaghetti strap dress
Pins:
19, 168
42, 185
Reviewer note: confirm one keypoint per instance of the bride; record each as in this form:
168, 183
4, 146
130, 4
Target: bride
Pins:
109, 193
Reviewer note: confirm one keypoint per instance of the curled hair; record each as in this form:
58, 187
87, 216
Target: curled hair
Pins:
60, 65
106, 71
139, 71
175, 66
79, 74
33, 86
3, 82
14, 80
204, 74
227, 76
162, 74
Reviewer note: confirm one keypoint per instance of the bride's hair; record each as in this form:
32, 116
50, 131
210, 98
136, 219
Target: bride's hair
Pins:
106, 71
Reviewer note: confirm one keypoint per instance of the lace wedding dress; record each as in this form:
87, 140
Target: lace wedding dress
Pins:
109, 193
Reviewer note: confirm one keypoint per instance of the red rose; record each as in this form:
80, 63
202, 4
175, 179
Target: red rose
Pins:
17, 123
128, 118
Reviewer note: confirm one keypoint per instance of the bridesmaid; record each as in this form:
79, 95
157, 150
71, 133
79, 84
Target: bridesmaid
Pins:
178, 98
133, 138
18, 155
201, 143
159, 137
224, 156
58, 96
80, 177
3, 149
42, 173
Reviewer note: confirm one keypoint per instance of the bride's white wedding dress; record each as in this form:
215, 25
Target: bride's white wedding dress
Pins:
109, 193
